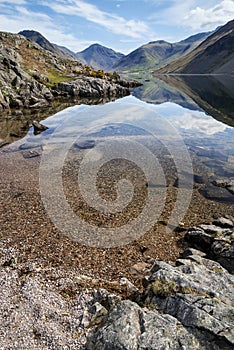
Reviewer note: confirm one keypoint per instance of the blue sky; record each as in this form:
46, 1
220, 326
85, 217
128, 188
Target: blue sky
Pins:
122, 25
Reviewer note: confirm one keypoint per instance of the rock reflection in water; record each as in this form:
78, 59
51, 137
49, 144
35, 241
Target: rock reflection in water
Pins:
15, 124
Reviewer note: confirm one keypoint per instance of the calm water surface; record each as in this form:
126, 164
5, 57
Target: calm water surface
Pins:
163, 113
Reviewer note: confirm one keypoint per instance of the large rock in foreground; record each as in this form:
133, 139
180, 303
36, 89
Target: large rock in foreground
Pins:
189, 305
129, 326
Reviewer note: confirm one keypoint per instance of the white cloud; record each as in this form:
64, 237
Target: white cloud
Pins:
209, 18
21, 18
112, 22
195, 14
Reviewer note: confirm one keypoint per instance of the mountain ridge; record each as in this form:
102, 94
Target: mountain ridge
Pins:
39, 39
214, 55
158, 52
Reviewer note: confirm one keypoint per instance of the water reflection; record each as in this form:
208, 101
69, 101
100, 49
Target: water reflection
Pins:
202, 109
15, 124
212, 94
199, 108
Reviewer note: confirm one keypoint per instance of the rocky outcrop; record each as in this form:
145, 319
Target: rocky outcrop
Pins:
90, 87
129, 326
31, 77
18, 88
187, 305
216, 240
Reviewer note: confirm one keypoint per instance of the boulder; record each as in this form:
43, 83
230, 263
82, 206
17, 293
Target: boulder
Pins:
225, 183
216, 240
184, 306
38, 127
130, 327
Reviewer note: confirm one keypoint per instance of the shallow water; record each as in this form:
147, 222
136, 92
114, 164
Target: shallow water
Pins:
158, 147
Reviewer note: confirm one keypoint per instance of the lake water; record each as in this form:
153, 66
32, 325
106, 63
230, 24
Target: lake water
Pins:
177, 130
199, 108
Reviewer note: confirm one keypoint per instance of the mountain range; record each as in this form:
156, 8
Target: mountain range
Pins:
208, 52
96, 55
158, 53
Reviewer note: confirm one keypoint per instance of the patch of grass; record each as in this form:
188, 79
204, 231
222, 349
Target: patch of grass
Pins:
164, 289
55, 77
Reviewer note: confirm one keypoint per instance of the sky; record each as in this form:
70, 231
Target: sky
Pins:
122, 25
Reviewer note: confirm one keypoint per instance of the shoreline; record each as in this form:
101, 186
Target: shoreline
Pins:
25, 224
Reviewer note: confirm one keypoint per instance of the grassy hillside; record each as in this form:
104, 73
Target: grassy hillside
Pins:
214, 55
45, 44
158, 53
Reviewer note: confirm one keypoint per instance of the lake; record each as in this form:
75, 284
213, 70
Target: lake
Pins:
160, 160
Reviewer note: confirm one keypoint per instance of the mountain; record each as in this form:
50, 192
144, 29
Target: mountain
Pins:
99, 57
45, 44
157, 53
214, 55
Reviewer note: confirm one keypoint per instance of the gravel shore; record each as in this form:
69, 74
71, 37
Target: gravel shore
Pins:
25, 225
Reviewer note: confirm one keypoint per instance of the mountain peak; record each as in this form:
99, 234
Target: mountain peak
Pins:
44, 43
99, 56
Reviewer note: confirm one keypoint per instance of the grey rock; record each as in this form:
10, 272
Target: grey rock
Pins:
129, 327
109, 301
40, 104
130, 286
97, 312
38, 127
84, 144
186, 305
31, 154
216, 240
225, 183
224, 222
92, 87
199, 293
